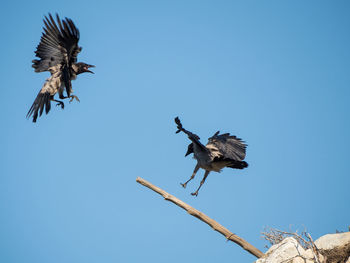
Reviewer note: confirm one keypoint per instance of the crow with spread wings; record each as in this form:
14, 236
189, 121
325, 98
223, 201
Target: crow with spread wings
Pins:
222, 150
57, 53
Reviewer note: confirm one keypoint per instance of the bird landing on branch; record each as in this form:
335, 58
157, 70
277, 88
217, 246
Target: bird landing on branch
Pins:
222, 150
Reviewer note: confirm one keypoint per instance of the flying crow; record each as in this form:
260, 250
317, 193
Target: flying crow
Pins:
222, 150
57, 53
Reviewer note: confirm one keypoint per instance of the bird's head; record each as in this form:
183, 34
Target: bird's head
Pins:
189, 149
82, 67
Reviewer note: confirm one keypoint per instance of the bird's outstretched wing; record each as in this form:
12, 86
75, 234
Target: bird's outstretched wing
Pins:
228, 146
58, 45
193, 137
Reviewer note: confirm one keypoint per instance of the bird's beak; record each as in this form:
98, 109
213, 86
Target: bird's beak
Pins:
189, 149
86, 68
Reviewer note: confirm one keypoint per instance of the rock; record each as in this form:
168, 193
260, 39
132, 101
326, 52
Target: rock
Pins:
335, 247
288, 249
331, 241
309, 255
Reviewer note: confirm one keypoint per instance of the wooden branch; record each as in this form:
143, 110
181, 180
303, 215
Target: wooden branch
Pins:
194, 212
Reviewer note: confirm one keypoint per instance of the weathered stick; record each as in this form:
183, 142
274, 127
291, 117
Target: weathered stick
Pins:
194, 212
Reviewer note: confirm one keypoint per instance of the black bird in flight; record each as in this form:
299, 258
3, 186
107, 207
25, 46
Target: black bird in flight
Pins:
57, 53
222, 150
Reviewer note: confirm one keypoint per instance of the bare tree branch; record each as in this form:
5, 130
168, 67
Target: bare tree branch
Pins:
194, 212
313, 248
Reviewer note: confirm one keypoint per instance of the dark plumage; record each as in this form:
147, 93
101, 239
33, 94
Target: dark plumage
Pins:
57, 53
222, 150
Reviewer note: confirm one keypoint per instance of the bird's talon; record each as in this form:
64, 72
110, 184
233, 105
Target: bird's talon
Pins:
183, 185
74, 97
194, 194
60, 104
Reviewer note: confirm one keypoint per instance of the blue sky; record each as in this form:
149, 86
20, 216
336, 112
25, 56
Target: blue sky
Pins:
275, 73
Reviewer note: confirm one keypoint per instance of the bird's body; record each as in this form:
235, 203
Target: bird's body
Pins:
54, 83
57, 53
222, 150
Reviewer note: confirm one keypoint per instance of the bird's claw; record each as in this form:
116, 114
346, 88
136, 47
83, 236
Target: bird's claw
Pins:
195, 193
183, 185
60, 104
74, 97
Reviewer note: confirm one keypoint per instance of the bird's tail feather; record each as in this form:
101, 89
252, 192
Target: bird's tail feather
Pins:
43, 100
238, 165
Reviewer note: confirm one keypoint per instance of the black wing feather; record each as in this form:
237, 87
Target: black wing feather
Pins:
193, 137
66, 79
229, 146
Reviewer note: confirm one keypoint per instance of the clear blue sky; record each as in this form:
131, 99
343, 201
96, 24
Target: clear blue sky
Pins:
275, 73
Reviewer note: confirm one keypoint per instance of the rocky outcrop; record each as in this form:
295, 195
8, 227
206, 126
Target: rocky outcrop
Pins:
332, 248
335, 247
289, 250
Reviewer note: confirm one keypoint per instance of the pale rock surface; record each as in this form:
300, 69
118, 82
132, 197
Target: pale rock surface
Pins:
331, 241
336, 248
289, 248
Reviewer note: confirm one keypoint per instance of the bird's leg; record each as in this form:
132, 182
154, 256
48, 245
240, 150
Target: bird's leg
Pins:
202, 182
60, 103
193, 175
73, 97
